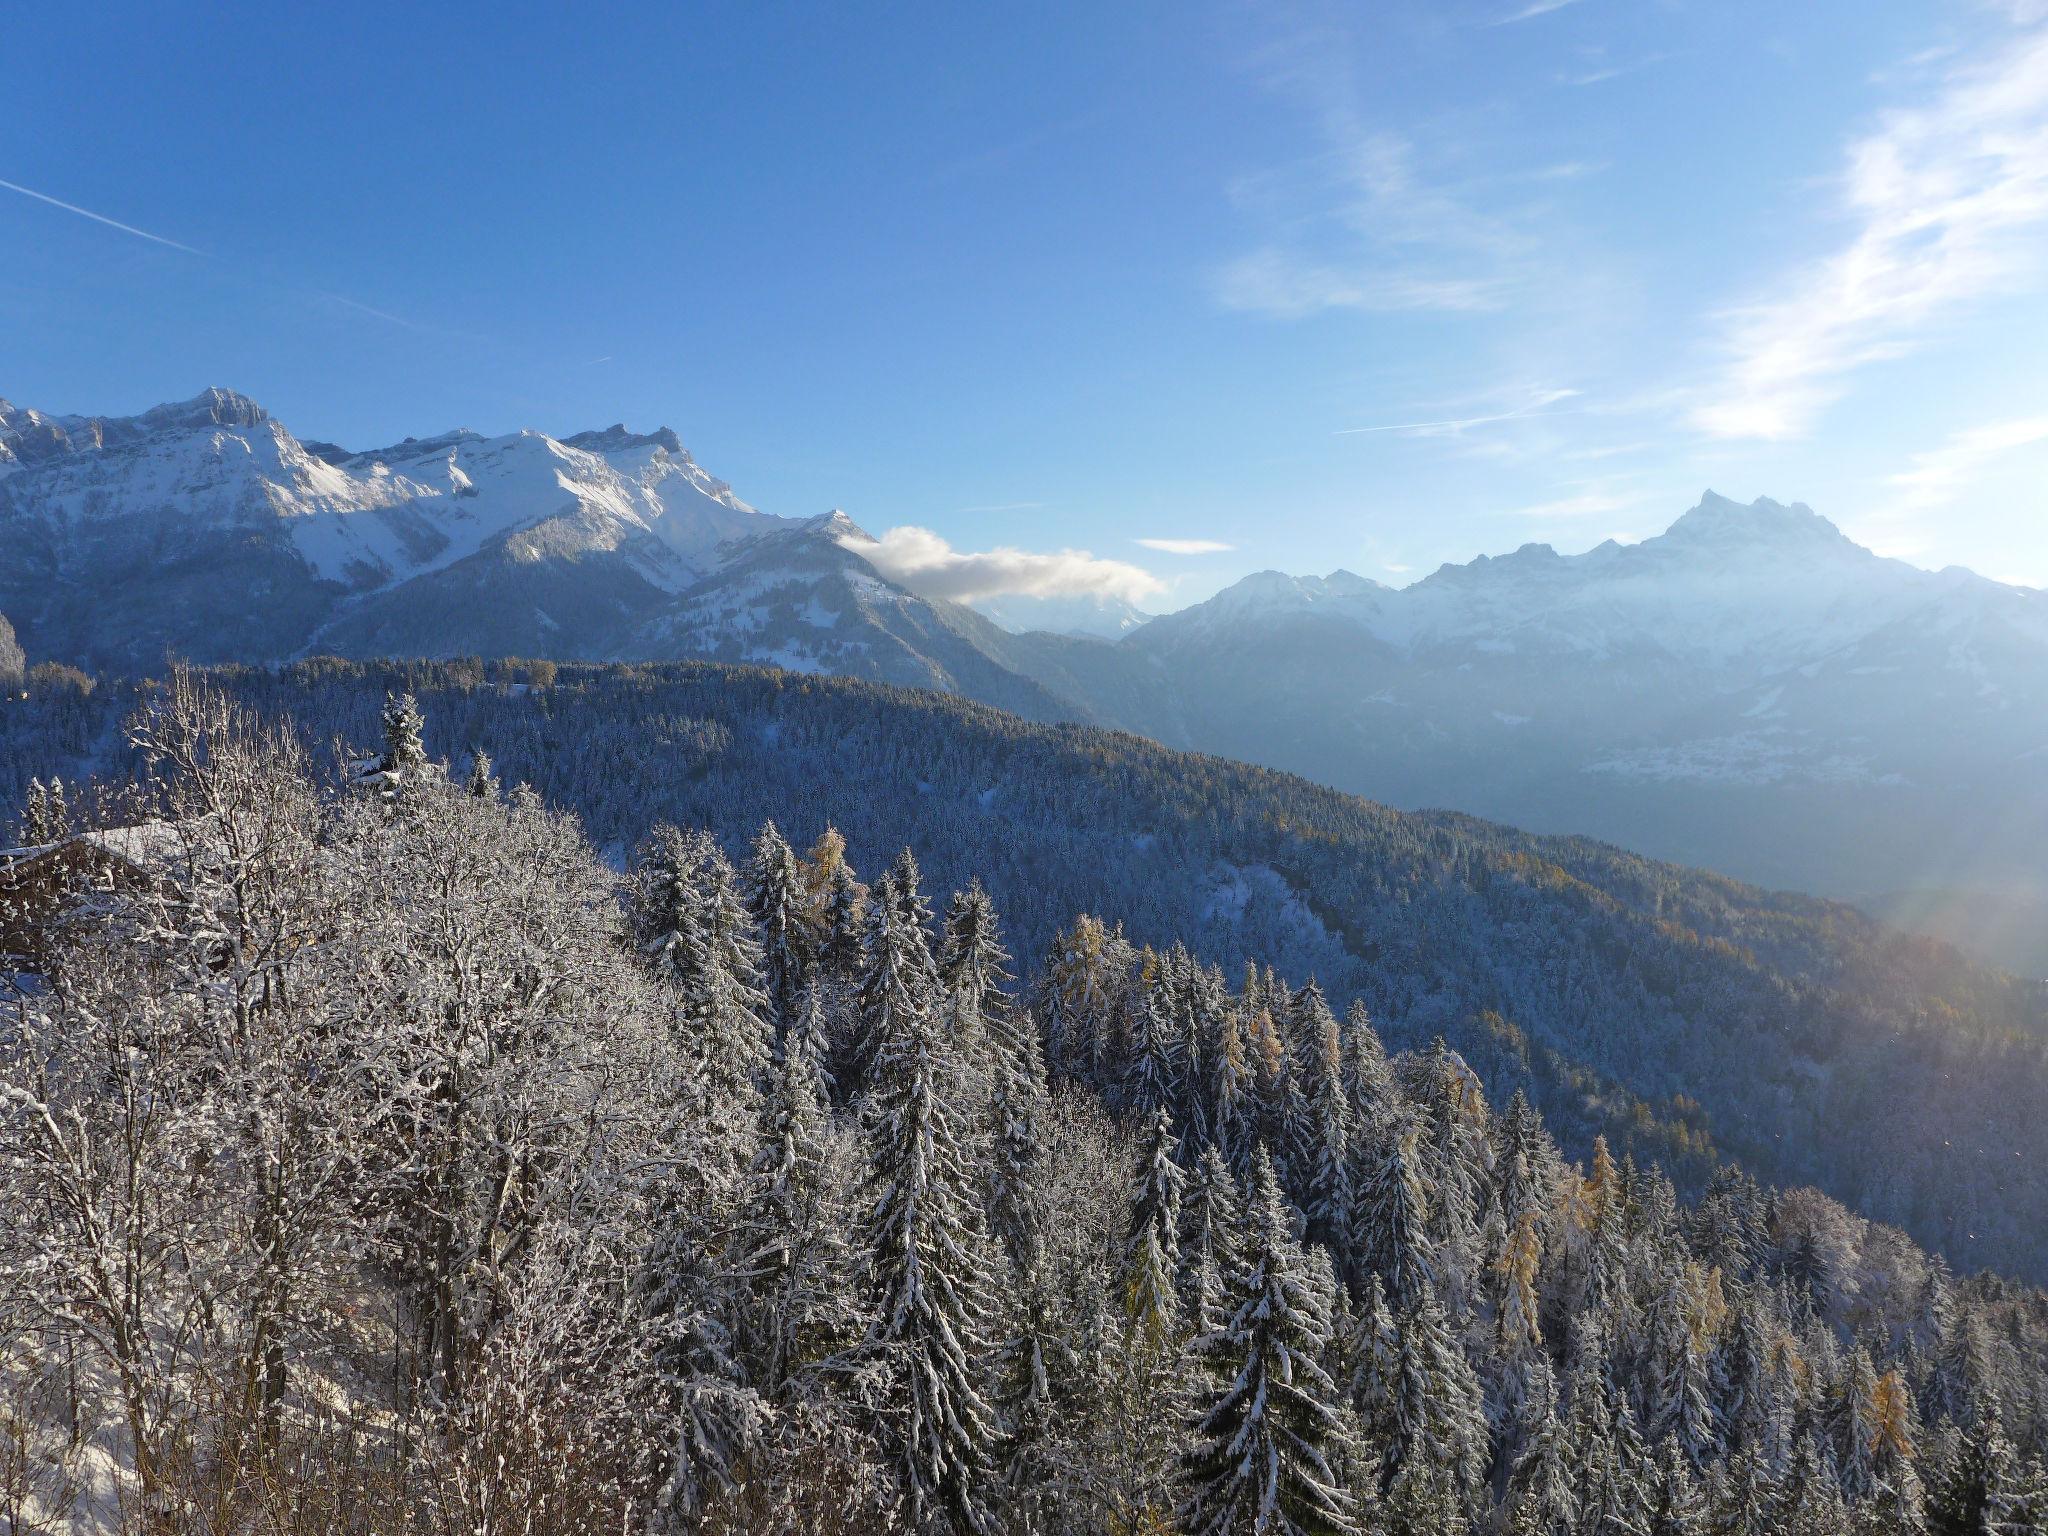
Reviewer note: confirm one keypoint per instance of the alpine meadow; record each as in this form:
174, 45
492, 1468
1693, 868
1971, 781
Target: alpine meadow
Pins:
952, 984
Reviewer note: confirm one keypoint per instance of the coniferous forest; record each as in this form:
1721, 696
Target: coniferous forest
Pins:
376, 1156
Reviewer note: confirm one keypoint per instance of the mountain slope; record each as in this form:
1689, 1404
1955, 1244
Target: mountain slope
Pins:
1678, 1012
1751, 690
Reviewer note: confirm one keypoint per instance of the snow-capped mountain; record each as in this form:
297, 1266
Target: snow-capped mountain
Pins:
1100, 618
1751, 691
208, 528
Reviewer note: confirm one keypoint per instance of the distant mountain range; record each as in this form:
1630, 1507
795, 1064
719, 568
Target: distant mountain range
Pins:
1750, 691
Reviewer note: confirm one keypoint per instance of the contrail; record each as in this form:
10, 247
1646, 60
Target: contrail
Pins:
1467, 421
100, 218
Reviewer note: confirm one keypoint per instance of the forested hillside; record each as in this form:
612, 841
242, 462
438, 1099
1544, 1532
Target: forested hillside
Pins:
1684, 1015
385, 1161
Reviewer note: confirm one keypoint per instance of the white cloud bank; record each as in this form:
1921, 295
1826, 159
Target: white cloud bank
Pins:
1948, 203
928, 565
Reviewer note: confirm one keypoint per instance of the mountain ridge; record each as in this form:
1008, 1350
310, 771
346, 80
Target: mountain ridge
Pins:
1749, 690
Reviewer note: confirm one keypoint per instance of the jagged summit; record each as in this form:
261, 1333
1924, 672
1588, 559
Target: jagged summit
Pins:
1719, 520
616, 439
210, 407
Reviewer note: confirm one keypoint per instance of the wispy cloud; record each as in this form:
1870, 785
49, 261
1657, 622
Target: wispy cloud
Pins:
101, 218
1586, 504
1371, 220
1940, 475
1947, 202
1598, 74
930, 566
1185, 546
1536, 406
1283, 283
1530, 12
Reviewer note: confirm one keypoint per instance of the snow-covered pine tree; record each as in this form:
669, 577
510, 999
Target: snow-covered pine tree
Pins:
1544, 1495
691, 925
1957, 1382
1016, 1108
405, 747
898, 984
1675, 1501
907, 882
1740, 1503
791, 1253
929, 1260
1374, 1389
845, 924
972, 958
1152, 1071
35, 827
1152, 1247
1390, 1233
1324, 1160
1679, 1410
482, 783
1438, 1412
1211, 1241
1810, 1496
785, 922
1852, 1422
1269, 1442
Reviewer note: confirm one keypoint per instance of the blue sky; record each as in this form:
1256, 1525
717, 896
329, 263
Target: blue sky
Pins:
1377, 286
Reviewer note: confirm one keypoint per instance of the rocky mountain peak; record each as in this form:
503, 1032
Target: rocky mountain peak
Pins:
616, 439
1725, 523
214, 407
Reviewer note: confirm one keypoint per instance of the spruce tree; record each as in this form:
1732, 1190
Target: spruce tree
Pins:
405, 749
38, 826
1438, 1411
1270, 1439
1152, 1245
697, 935
1211, 1247
1675, 1503
1544, 1499
972, 958
792, 1254
1151, 1077
931, 1298
1325, 1157
1234, 1110
785, 922
1016, 1108
898, 983
1741, 1502
1679, 1411
1390, 1235
845, 925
